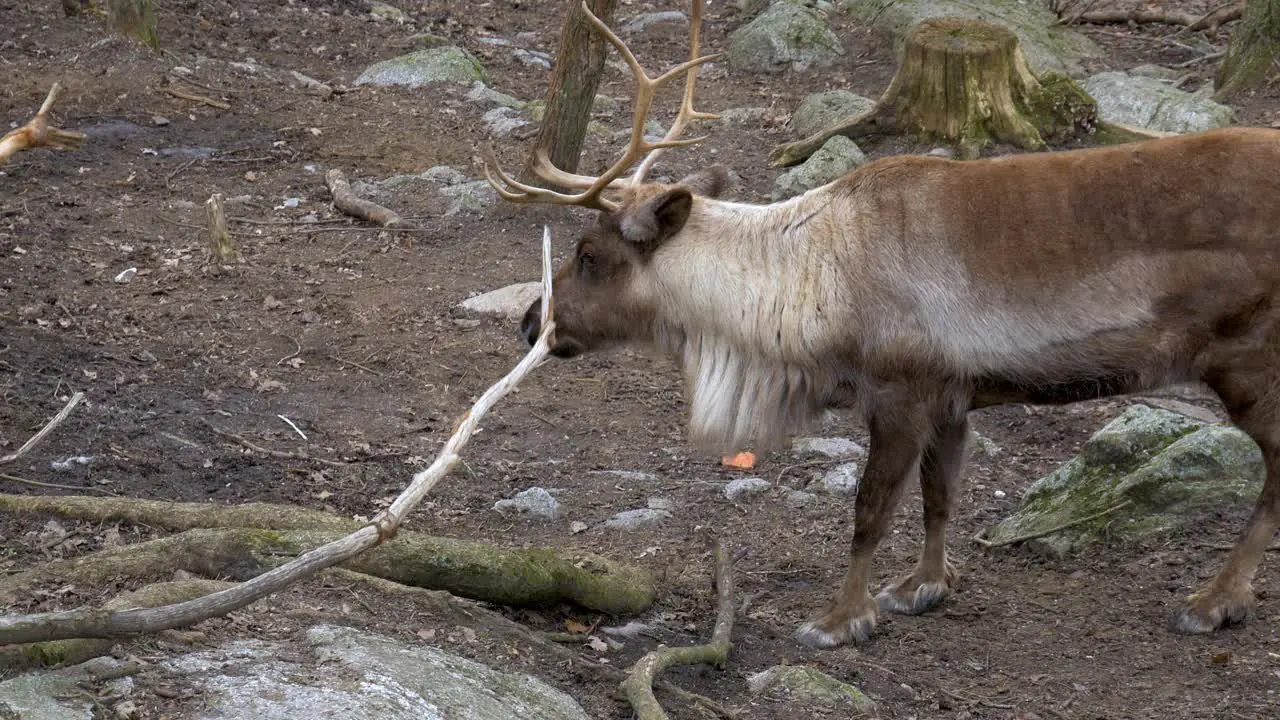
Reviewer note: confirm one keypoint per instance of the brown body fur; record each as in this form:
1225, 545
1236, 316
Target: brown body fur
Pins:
925, 288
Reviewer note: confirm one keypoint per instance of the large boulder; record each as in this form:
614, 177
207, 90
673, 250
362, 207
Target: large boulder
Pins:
1146, 472
819, 110
347, 675
788, 35
434, 65
832, 161
1047, 44
1149, 102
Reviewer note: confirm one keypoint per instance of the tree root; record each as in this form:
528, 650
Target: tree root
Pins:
345, 199
531, 577
39, 133
1210, 21
639, 683
71, 652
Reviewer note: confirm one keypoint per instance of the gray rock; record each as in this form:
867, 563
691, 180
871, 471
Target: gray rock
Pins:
819, 110
474, 196
1047, 44
536, 502
510, 302
798, 499
533, 58
383, 11
831, 447
443, 176
657, 503
637, 519
1169, 468
502, 121
354, 675
831, 162
787, 36
485, 95
1150, 103
440, 64
841, 479
744, 115
984, 446
1159, 72
810, 688
670, 19
742, 489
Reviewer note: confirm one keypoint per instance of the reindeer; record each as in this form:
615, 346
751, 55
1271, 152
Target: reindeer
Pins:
925, 288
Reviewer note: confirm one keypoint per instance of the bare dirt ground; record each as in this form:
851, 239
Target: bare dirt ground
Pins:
351, 333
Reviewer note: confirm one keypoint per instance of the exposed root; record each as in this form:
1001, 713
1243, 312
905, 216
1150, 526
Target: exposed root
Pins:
1210, 21
346, 200
39, 133
639, 683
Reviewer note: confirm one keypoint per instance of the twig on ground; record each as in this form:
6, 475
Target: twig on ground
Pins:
345, 200
37, 483
353, 364
102, 623
1049, 531
282, 454
1197, 61
39, 133
44, 431
639, 683
184, 95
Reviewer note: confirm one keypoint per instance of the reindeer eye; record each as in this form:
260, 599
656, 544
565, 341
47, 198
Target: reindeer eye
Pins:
586, 259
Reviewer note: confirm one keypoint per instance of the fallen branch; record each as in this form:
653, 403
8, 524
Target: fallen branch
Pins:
44, 431
38, 133
112, 624
1211, 20
639, 683
184, 95
346, 200
282, 454
1055, 529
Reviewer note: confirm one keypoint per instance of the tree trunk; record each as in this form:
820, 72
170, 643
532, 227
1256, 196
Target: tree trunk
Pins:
1253, 58
135, 19
966, 83
574, 80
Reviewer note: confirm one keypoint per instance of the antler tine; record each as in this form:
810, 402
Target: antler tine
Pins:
547, 170
513, 190
686, 112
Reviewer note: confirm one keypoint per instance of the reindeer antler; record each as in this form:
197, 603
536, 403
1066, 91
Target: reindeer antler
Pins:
593, 187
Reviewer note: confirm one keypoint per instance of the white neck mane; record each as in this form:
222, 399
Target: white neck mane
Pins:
741, 294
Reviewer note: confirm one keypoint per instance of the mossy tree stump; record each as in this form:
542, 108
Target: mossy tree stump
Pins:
966, 83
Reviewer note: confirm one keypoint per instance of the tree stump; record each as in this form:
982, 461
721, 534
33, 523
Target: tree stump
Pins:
965, 83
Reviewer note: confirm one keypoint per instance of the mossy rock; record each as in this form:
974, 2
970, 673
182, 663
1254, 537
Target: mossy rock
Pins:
819, 110
1167, 467
812, 690
787, 36
1047, 45
440, 64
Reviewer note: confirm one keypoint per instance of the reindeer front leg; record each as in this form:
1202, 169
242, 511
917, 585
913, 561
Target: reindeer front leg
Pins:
901, 427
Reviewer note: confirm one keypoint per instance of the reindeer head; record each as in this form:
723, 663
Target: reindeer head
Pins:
599, 300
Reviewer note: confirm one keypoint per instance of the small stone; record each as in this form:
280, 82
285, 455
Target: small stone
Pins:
125, 275
532, 57
669, 20
159, 120
502, 121
510, 302
1000, 494
984, 446
443, 175
831, 447
637, 519
744, 115
481, 93
797, 499
841, 479
577, 526
835, 159
745, 488
466, 323
536, 502
656, 503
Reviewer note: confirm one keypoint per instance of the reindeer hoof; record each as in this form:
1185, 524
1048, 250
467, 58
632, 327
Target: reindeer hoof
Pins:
1207, 611
826, 632
899, 599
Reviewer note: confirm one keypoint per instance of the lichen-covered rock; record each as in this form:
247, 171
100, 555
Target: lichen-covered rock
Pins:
1150, 103
637, 519
832, 161
475, 197
439, 64
745, 488
810, 688
841, 479
744, 115
509, 302
819, 110
788, 35
485, 95
502, 121
666, 19
1164, 468
44, 696
1047, 44
832, 447
535, 502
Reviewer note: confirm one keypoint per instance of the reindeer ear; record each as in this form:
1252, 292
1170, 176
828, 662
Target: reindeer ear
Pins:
655, 220
709, 182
